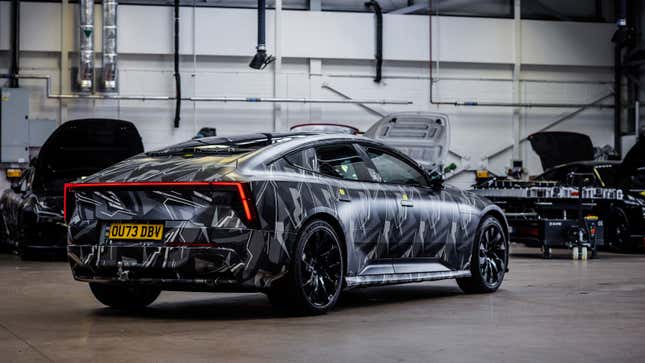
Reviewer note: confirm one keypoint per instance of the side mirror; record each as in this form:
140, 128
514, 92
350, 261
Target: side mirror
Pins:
436, 175
450, 168
435, 178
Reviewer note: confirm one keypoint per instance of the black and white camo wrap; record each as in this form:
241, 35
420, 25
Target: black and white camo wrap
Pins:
378, 222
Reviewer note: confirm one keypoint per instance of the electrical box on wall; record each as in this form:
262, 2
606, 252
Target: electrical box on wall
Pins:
20, 137
14, 134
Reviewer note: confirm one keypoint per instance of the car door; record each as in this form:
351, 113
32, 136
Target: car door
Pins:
428, 220
364, 208
398, 180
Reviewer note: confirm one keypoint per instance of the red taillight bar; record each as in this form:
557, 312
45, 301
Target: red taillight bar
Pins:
239, 185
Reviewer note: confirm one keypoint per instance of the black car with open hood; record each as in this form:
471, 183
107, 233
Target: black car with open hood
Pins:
32, 209
560, 147
539, 210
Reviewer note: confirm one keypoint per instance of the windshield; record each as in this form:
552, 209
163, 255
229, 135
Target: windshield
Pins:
607, 174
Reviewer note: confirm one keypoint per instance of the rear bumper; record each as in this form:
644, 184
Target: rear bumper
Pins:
246, 265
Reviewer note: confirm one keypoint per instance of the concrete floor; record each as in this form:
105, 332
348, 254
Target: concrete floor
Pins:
557, 310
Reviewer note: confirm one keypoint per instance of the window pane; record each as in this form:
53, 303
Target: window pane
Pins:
305, 159
599, 11
394, 170
341, 161
485, 8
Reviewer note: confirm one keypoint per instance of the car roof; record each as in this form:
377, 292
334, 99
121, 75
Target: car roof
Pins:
276, 150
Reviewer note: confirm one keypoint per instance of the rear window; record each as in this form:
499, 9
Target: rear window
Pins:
325, 129
304, 159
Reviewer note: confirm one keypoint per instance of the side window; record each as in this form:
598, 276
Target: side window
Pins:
341, 161
304, 159
394, 170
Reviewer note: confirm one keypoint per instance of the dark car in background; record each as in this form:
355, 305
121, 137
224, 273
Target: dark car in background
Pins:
31, 211
625, 218
573, 185
297, 216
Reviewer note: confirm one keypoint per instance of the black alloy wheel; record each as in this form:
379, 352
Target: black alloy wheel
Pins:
315, 278
489, 259
617, 234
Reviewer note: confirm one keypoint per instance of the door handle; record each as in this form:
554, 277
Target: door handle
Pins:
405, 201
342, 195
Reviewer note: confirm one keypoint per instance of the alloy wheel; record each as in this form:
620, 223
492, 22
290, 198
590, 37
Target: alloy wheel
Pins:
321, 272
492, 255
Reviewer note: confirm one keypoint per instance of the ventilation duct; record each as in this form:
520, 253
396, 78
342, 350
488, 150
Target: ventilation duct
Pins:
86, 42
261, 59
177, 75
14, 66
374, 5
109, 45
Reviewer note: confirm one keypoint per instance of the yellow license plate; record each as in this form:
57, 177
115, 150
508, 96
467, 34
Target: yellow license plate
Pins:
136, 231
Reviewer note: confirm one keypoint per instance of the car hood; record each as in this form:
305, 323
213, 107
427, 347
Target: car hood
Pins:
423, 136
82, 147
556, 148
171, 168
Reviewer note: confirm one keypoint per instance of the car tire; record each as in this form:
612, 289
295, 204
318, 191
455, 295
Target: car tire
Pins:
125, 297
316, 273
489, 259
617, 232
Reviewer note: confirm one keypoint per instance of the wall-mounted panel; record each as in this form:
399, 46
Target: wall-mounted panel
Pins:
149, 29
567, 43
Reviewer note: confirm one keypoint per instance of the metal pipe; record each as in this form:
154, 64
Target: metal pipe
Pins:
86, 36
378, 113
621, 24
483, 79
207, 99
177, 75
110, 45
261, 60
517, 158
378, 12
261, 25
14, 67
277, 65
523, 105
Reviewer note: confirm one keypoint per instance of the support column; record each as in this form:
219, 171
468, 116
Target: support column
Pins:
315, 74
64, 74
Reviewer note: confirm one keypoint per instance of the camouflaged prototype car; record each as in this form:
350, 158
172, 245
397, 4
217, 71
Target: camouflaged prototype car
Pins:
298, 216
